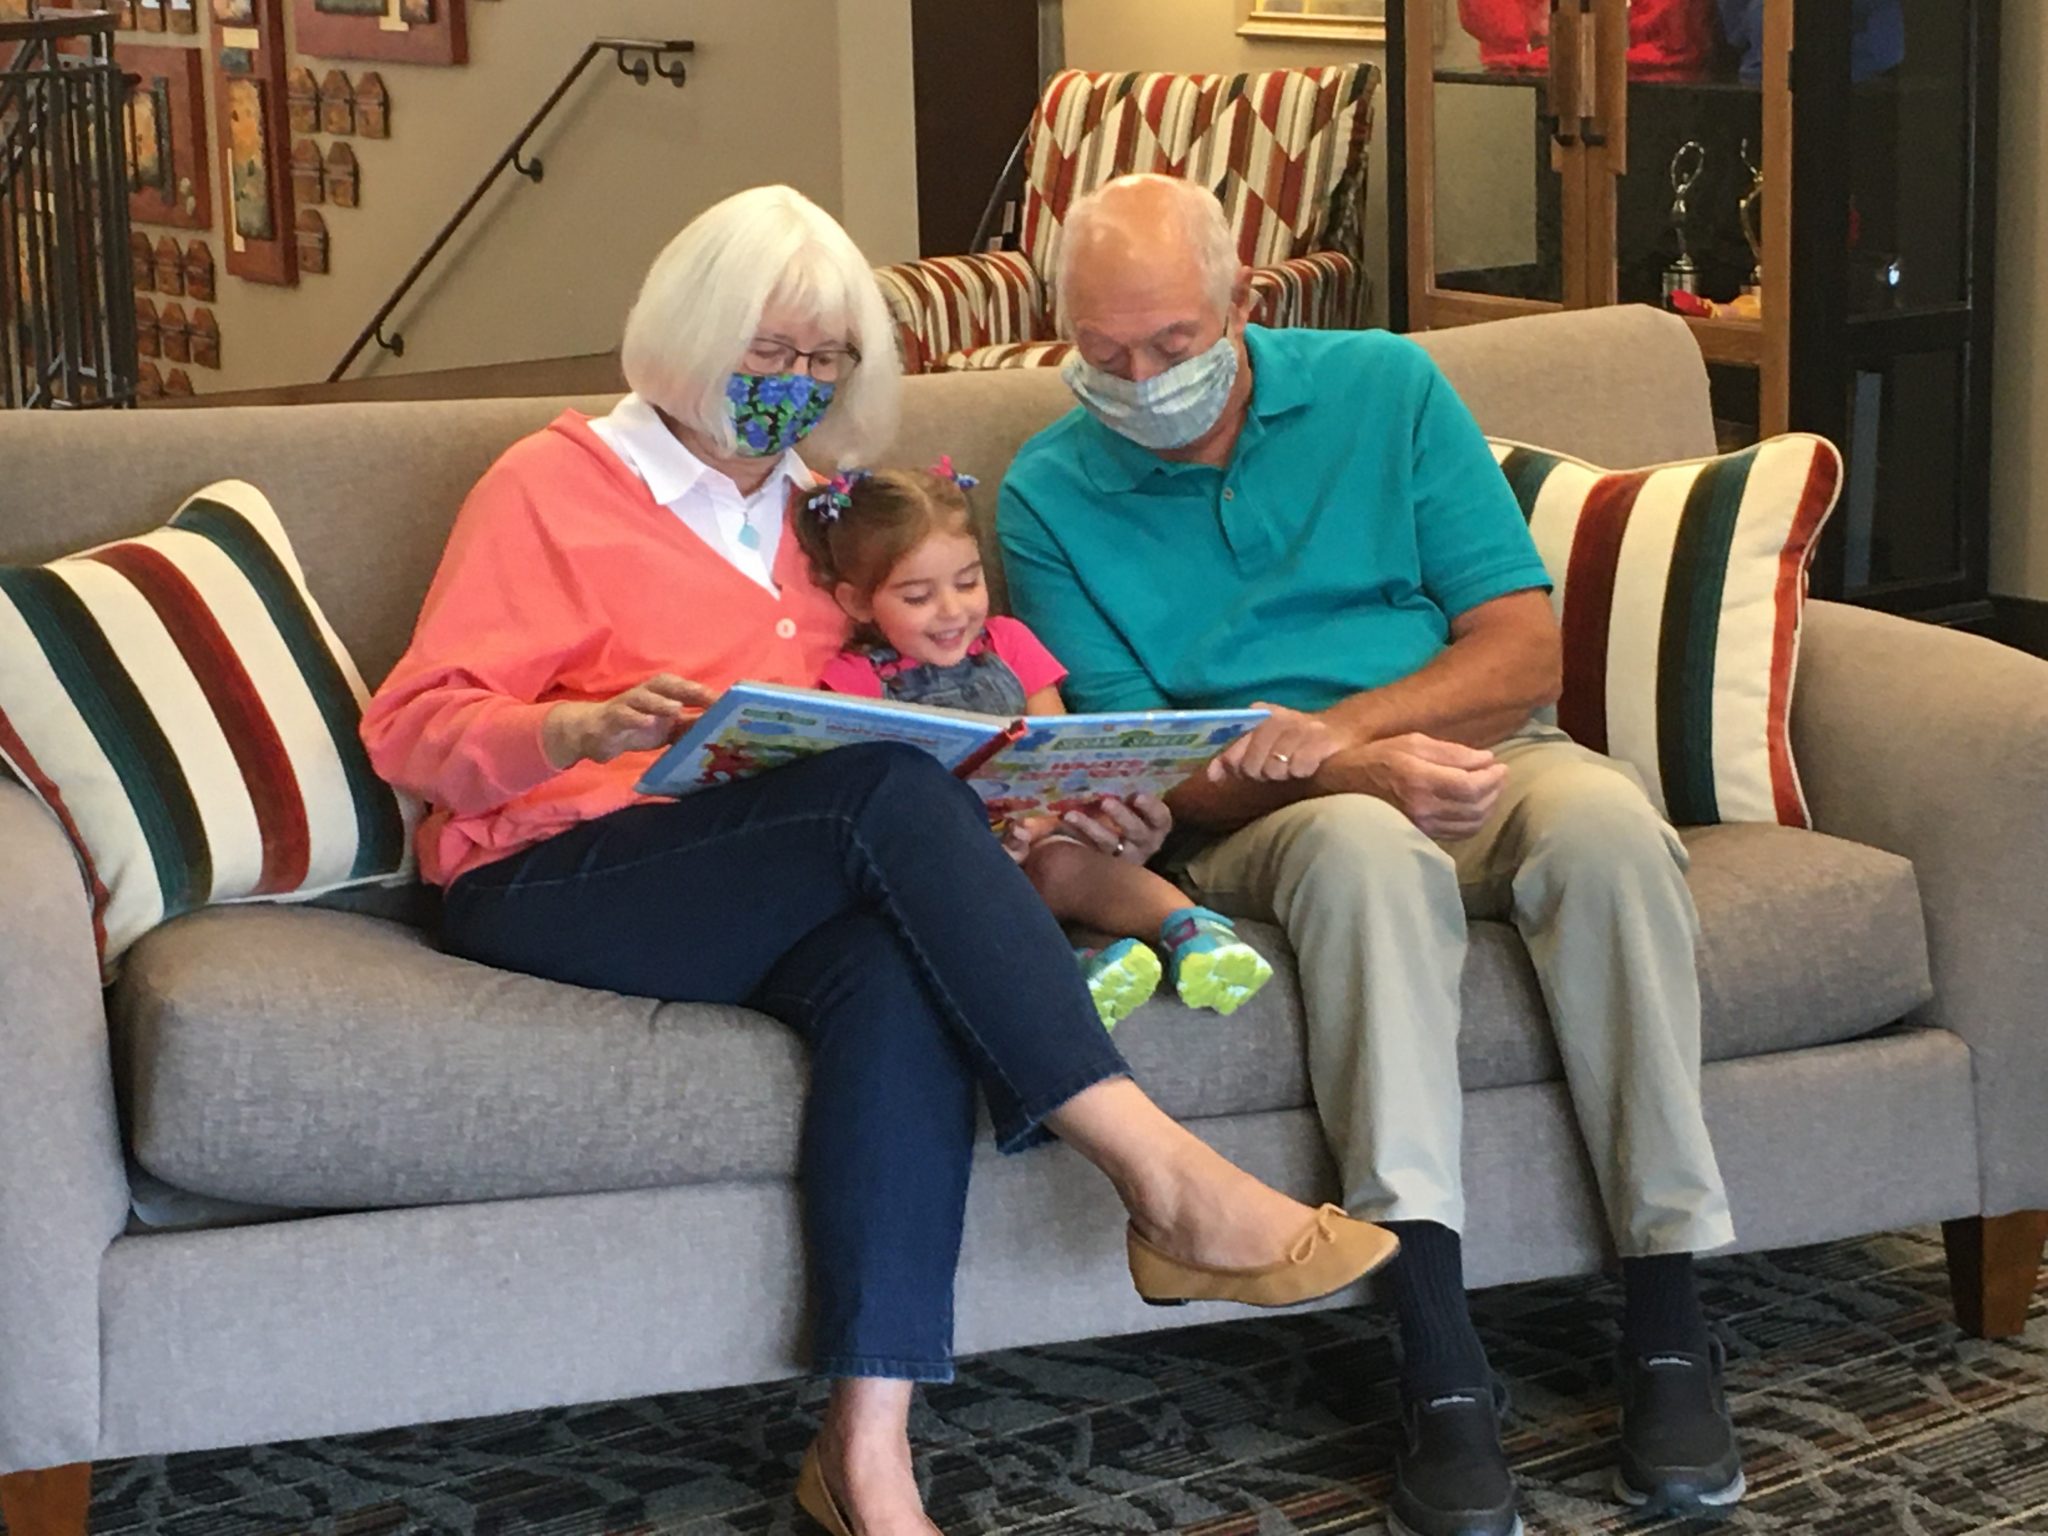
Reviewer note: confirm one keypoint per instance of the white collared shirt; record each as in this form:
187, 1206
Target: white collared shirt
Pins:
746, 530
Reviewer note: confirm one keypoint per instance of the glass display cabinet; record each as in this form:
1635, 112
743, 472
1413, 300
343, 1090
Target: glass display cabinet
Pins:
1809, 182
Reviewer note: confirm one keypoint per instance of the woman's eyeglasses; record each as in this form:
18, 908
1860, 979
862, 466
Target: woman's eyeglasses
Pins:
827, 365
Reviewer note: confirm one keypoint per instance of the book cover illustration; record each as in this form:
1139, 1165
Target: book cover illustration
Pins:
754, 727
1061, 763
1043, 765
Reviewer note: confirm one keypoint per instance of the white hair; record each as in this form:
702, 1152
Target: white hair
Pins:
703, 298
1203, 226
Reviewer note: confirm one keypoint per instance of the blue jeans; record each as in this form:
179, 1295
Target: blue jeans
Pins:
860, 898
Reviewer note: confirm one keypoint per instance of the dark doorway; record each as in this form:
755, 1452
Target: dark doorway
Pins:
976, 72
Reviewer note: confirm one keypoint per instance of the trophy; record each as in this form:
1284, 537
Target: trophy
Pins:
1751, 206
1683, 276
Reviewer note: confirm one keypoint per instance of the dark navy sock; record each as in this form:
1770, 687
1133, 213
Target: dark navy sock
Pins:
1440, 1351
1661, 1306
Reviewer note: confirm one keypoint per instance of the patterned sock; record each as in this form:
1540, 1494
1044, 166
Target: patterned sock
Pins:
1661, 1306
1440, 1350
1212, 967
1121, 978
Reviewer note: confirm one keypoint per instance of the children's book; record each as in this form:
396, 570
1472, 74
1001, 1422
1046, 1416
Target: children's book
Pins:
1036, 765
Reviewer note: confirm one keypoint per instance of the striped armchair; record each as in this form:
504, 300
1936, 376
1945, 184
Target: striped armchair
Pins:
1284, 151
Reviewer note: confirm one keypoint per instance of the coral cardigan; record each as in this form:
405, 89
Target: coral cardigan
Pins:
565, 580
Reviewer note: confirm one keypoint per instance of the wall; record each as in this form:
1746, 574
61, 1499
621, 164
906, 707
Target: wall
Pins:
810, 92
2019, 462
1200, 36
878, 129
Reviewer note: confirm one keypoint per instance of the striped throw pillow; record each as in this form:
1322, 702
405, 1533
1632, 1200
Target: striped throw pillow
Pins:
180, 703
1681, 589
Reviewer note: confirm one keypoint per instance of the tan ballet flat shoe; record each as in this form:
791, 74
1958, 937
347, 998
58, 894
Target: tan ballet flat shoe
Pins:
1334, 1250
815, 1499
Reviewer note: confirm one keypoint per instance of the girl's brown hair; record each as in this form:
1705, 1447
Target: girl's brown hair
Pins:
886, 514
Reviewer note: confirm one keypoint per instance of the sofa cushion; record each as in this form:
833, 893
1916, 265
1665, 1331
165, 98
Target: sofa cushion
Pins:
325, 1059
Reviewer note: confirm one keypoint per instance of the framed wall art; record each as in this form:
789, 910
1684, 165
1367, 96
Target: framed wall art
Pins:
165, 123
397, 31
255, 139
1321, 21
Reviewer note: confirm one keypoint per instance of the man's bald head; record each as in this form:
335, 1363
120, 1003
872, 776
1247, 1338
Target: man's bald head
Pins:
1144, 254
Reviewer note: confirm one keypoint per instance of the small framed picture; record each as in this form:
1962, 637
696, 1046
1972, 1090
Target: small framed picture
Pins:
1331, 21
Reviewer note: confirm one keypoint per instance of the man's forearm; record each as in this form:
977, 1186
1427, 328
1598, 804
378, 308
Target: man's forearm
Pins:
1478, 691
1501, 666
1225, 806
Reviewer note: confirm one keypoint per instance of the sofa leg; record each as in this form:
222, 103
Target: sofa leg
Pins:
49, 1503
1993, 1263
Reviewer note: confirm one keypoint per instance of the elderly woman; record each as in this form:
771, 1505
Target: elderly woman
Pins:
606, 579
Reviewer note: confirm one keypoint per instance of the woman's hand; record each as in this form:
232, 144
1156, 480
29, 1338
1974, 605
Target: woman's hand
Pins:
638, 720
1287, 744
1133, 830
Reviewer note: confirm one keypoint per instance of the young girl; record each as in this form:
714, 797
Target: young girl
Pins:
897, 548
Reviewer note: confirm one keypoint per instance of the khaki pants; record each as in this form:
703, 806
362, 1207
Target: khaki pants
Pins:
1577, 859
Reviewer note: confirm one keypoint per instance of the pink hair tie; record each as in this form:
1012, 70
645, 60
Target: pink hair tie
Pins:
945, 471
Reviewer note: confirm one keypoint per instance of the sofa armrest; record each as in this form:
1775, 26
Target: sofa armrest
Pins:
63, 1184
947, 304
1324, 291
1934, 745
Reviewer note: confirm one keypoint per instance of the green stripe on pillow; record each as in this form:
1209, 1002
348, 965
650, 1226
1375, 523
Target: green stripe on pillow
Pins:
380, 827
124, 726
1688, 645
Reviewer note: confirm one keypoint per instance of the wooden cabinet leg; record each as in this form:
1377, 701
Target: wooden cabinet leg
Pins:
49, 1503
1993, 1264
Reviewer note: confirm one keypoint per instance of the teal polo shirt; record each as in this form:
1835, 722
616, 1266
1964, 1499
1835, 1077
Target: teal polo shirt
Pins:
1361, 512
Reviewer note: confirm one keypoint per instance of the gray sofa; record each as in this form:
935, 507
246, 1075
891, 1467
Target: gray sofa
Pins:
381, 1186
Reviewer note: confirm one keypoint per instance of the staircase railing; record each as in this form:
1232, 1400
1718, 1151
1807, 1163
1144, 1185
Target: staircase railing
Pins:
639, 59
67, 317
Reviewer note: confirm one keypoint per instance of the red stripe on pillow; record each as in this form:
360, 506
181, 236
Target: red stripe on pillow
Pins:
238, 709
1818, 495
1589, 607
46, 788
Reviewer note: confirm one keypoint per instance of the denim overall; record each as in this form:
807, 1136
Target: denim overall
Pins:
981, 682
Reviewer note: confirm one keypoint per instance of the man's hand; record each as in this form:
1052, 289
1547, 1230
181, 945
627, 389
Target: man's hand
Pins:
638, 720
1446, 789
1287, 744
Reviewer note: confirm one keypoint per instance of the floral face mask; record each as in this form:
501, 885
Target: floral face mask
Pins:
773, 412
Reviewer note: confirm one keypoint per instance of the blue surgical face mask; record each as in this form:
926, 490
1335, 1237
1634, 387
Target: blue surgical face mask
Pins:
1168, 410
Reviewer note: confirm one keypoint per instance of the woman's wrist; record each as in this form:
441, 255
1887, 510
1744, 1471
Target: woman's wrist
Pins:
561, 734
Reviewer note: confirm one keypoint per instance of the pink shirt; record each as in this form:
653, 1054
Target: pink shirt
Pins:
564, 579
854, 672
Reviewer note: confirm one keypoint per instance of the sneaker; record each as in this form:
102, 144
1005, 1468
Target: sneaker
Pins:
1212, 966
1678, 1452
1451, 1477
1121, 979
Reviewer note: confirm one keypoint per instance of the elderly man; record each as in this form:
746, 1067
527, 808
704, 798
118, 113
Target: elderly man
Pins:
1312, 520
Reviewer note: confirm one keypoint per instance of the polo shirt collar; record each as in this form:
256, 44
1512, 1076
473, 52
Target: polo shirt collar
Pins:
1117, 464
671, 470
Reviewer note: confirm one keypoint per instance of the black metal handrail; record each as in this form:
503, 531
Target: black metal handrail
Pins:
640, 60
67, 319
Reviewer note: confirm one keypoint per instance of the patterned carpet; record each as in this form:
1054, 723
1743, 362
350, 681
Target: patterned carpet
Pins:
1862, 1411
